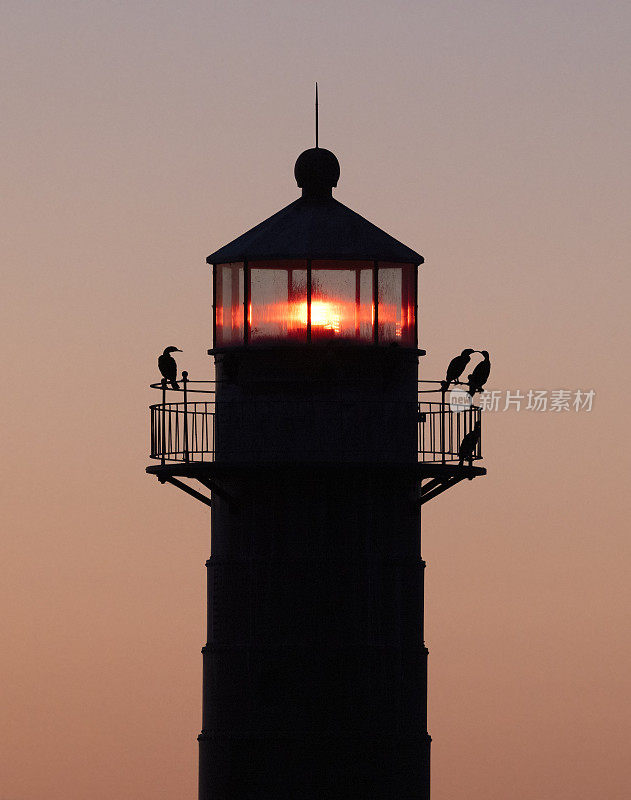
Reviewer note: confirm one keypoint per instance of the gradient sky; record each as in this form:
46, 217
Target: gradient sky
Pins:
138, 137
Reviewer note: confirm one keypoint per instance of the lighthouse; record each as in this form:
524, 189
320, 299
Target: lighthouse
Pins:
315, 447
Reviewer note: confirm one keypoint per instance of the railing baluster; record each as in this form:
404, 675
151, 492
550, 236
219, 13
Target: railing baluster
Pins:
450, 417
443, 392
164, 399
458, 432
185, 432
204, 430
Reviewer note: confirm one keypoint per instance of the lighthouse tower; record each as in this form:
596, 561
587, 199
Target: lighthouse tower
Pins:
315, 448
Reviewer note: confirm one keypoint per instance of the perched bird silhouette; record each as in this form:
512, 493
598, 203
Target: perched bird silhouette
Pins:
480, 374
456, 367
168, 367
469, 444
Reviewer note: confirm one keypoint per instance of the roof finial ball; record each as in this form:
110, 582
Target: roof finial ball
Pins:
317, 171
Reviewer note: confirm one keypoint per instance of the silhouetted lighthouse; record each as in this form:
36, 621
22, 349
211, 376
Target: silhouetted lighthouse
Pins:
317, 455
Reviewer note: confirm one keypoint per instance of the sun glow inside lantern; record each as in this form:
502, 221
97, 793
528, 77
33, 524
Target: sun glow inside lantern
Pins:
309, 301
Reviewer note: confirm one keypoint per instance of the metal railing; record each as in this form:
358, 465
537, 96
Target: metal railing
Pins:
184, 432
441, 431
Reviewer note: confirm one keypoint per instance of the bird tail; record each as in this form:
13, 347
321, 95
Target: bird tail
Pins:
175, 385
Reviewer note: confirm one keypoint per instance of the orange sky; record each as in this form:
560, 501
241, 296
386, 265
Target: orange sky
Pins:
490, 136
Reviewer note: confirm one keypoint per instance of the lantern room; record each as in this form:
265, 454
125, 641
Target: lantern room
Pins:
315, 272
303, 300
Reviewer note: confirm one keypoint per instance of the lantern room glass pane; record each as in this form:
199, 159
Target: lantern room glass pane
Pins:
396, 303
365, 309
278, 301
341, 300
229, 304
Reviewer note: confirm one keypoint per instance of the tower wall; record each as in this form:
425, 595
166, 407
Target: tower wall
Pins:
315, 670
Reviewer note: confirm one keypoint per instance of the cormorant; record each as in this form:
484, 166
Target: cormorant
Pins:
480, 374
456, 367
168, 367
469, 444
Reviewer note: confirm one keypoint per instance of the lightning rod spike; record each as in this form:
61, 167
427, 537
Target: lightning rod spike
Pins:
316, 114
